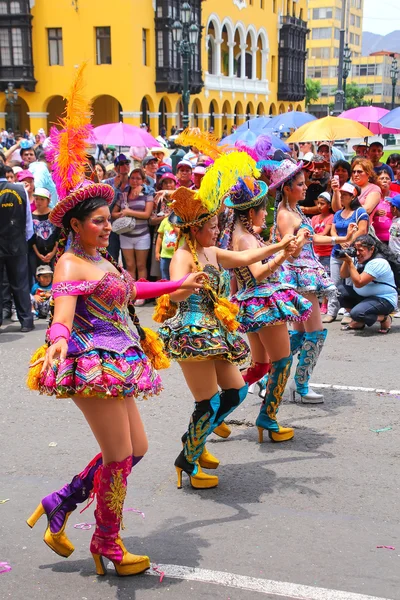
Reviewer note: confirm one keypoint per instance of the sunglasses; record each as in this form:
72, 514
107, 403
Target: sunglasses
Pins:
358, 171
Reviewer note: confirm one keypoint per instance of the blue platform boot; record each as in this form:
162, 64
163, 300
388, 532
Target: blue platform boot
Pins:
296, 340
277, 379
309, 353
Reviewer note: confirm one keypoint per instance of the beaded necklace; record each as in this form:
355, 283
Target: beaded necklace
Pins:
78, 250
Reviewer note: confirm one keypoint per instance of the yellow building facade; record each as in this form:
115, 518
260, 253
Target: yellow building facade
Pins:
373, 72
239, 51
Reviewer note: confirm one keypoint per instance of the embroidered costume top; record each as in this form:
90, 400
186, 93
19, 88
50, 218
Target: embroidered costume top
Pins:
196, 333
269, 302
104, 354
308, 275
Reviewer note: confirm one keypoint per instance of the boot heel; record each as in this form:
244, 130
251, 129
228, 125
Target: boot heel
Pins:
99, 564
35, 516
260, 435
179, 474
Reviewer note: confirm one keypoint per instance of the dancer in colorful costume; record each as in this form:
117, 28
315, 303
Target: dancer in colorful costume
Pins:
92, 355
201, 335
308, 275
267, 301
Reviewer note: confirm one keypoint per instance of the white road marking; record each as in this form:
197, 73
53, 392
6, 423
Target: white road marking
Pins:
349, 388
262, 586
354, 388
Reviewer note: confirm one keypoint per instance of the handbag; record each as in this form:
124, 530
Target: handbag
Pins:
124, 224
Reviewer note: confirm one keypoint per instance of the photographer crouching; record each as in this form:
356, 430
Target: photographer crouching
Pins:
372, 293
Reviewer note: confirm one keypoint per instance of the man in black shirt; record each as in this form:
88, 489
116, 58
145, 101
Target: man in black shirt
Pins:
317, 179
13, 248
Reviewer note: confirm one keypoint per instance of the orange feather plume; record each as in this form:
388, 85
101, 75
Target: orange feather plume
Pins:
69, 142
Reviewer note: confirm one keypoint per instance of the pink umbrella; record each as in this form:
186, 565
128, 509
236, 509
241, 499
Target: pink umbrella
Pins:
369, 117
121, 134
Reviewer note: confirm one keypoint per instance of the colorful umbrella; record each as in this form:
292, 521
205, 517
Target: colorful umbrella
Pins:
369, 116
329, 129
122, 134
391, 119
255, 125
289, 120
250, 138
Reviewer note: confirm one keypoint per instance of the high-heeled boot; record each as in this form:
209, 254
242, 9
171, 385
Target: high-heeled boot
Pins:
309, 353
296, 340
110, 489
223, 430
256, 372
206, 459
200, 426
59, 505
266, 419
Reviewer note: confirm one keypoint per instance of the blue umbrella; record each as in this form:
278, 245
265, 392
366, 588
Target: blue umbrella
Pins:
254, 124
391, 119
250, 138
289, 120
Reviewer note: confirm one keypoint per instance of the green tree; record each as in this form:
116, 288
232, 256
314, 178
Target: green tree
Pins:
355, 96
313, 89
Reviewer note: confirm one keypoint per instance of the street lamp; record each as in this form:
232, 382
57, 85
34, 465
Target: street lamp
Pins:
346, 70
11, 99
185, 38
394, 74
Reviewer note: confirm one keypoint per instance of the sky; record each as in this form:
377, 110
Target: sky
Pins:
381, 16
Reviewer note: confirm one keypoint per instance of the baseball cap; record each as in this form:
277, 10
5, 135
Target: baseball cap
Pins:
184, 163
322, 144
44, 270
163, 170
395, 201
25, 174
326, 196
348, 187
148, 159
120, 159
42, 192
17, 169
169, 176
199, 170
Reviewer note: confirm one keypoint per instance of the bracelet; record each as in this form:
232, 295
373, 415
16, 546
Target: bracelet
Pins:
334, 242
58, 331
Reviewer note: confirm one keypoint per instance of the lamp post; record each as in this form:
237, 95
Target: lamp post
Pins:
339, 94
11, 99
346, 70
394, 75
185, 38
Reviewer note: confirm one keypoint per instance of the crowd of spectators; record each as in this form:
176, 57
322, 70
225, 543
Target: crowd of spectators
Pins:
339, 193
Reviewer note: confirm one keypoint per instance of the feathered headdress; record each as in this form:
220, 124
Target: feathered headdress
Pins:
194, 207
204, 141
67, 154
246, 193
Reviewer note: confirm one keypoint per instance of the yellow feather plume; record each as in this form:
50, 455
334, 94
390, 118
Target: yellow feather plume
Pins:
35, 369
223, 175
206, 142
153, 347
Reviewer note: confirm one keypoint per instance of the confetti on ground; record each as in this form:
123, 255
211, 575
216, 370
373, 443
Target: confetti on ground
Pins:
52, 444
387, 547
380, 430
157, 570
4, 501
4, 567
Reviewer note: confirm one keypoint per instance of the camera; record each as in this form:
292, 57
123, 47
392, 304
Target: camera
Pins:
347, 252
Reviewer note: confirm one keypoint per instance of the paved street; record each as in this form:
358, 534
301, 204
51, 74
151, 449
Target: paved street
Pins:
309, 513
